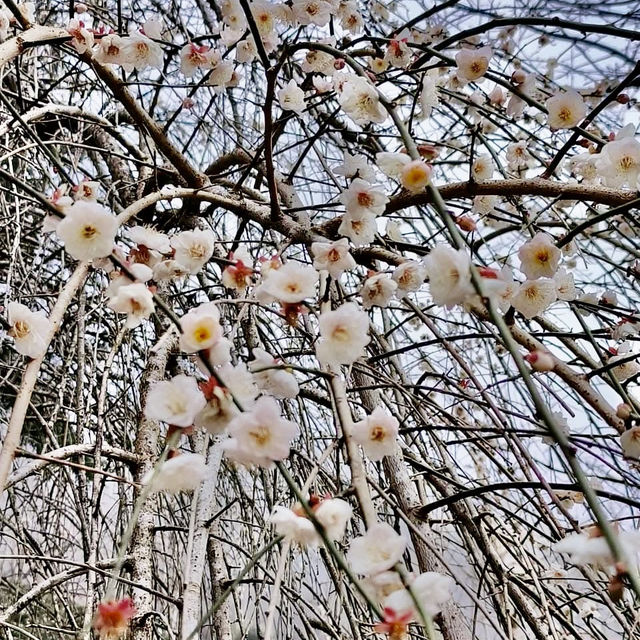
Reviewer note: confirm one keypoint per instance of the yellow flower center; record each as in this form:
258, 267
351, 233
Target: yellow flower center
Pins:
565, 114
21, 329
89, 232
364, 199
261, 435
378, 433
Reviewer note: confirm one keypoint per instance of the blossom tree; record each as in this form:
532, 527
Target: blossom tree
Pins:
319, 319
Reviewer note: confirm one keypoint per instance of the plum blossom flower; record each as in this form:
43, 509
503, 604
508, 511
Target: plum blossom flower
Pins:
378, 290
221, 408
534, 297
355, 166
629, 367
200, 328
343, 335
135, 300
277, 382
377, 434
150, 238
294, 526
376, 551
472, 64
518, 157
360, 101
87, 231
141, 52
316, 12
590, 547
220, 70
193, 249
566, 110
29, 330
291, 283
333, 257
81, 38
394, 624
334, 515
112, 618
410, 276
176, 401
482, 168
110, 50
539, 257
86, 190
619, 163
392, 164
261, 435
630, 442
192, 58
432, 590
362, 197
291, 97
360, 229
238, 275
182, 472
565, 285
449, 275
398, 53
415, 175
378, 65
351, 19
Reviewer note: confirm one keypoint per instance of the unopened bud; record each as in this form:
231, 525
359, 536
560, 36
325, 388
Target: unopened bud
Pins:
623, 411
540, 360
623, 98
518, 76
616, 587
81, 7
466, 223
339, 64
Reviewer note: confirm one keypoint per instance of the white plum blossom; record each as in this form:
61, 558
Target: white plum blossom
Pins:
432, 590
182, 472
590, 547
291, 97
193, 249
276, 382
472, 64
294, 526
534, 297
141, 52
87, 231
410, 276
360, 101
351, 19
377, 434
86, 190
317, 61
355, 166
565, 285
334, 515
110, 50
176, 401
518, 157
29, 329
360, 229
220, 70
449, 275
539, 257
192, 58
362, 197
343, 335
378, 290
415, 175
379, 549
135, 300
316, 12
619, 163
261, 435
392, 164
429, 97
627, 369
398, 53
291, 283
169, 270
333, 257
630, 443
482, 168
565, 109
81, 37
150, 238
221, 407
200, 328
